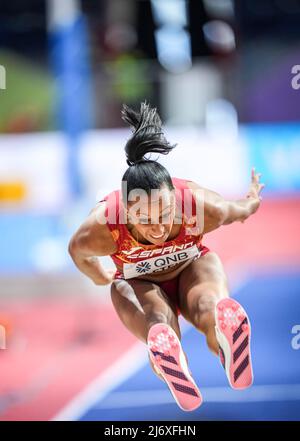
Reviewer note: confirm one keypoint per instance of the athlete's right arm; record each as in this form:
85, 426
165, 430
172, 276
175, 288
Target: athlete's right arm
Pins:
93, 239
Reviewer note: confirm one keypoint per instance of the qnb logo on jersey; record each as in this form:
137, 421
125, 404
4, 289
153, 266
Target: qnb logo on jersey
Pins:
156, 264
143, 267
133, 254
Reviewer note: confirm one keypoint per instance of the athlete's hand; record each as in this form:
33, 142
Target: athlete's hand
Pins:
256, 186
106, 278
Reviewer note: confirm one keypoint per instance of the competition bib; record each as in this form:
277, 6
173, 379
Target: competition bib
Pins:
157, 264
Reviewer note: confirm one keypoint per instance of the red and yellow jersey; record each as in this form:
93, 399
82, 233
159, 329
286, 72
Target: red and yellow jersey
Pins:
138, 259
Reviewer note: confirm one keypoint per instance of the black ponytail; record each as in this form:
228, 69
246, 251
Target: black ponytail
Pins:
148, 137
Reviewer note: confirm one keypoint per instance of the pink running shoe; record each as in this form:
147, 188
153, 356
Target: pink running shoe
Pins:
233, 333
169, 360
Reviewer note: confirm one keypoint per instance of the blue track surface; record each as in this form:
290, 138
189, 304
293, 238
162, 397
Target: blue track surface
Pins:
273, 304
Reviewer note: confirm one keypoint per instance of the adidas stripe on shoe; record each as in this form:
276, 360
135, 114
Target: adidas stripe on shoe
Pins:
233, 333
168, 358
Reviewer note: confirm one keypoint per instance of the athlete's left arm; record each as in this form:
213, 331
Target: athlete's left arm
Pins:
219, 211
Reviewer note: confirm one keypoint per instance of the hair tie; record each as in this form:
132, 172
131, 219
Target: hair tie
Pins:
131, 163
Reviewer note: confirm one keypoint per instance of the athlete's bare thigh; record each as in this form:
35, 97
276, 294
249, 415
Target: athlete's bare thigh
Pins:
140, 304
203, 282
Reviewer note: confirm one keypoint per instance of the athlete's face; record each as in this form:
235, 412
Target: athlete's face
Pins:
153, 216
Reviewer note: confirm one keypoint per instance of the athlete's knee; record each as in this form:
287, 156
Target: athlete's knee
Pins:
206, 302
120, 290
154, 317
203, 309
204, 305
113, 291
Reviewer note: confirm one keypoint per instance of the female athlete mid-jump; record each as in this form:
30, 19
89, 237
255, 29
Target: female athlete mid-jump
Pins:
153, 228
